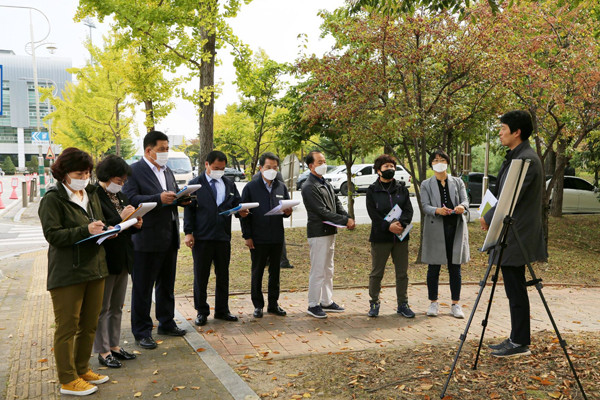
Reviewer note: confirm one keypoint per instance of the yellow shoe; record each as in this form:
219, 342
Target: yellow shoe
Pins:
78, 387
92, 377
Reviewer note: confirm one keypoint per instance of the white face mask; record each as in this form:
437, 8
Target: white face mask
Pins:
440, 167
162, 158
78, 184
321, 169
270, 174
114, 188
216, 174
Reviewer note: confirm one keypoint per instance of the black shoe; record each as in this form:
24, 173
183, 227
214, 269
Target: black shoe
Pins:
122, 355
516, 351
500, 346
258, 313
200, 320
288, 265
146, 343
226, 317
277, 311
109, 361
176, 331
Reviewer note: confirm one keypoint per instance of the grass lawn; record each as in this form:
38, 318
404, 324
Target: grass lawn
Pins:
574, 249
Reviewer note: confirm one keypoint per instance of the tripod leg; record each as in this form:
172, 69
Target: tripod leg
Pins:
487, 314
538, 285
463, 336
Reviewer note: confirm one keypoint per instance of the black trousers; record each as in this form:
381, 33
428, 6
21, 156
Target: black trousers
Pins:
261, 255
153, 270
207, 253
518, 301
284, 260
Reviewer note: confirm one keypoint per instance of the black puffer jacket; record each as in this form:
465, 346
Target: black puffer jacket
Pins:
380, 202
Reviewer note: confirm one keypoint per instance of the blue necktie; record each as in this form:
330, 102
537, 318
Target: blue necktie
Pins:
213, 186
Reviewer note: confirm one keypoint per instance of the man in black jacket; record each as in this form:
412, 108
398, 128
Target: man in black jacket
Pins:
264, 234
323, 208
208, 234
156, 244
516, 127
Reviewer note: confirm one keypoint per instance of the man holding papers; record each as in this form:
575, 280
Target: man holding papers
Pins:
515, 129
322, 205
383, 196
208, 234
156, 244
264, 233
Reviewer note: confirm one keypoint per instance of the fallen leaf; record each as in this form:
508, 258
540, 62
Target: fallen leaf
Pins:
42, 369
155, 372
157, 394
138, 394
137, 352
195, 387
43, 360
426, 386
159, 342
554, 395
200, 349
114, 382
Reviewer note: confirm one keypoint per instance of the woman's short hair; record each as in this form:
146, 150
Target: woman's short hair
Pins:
71, 159
383, 159
440, 153
110, 167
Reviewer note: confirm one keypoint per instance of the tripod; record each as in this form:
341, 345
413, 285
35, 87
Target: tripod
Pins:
537, 282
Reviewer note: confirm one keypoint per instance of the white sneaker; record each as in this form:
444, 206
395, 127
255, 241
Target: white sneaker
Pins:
457, 311
434, 309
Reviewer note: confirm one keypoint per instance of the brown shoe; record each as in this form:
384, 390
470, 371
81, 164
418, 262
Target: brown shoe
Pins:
92, 377
78, 387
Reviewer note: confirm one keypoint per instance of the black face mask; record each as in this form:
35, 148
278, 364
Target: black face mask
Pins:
388, 174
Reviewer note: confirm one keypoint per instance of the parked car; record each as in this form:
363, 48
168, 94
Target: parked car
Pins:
474, 183
181, 166
234, 174
579, 196
304, 176
363, 175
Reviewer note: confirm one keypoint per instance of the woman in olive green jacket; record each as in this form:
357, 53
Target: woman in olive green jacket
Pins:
70, 212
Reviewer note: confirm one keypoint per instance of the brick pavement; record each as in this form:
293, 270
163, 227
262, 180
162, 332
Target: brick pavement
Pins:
173, 371
574, 309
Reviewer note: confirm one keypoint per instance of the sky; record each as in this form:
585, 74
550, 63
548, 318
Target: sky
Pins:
272, 25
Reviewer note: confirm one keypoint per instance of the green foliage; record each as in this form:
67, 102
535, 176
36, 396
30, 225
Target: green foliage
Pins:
127, 149
8, 166
32, 165
95, 113
396, 7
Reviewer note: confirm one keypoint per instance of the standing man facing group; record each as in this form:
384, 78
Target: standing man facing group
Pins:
515, 129
322, 205
156, 244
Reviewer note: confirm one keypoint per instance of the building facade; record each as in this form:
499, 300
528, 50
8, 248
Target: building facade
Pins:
18, 120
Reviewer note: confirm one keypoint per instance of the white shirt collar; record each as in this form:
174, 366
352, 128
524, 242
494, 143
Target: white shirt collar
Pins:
153, 167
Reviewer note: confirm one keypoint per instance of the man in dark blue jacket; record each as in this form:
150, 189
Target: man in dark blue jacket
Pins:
208, 234
264, 234
156, 244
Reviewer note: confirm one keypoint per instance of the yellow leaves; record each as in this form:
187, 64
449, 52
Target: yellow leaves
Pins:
137, 394
555, 395
158, 394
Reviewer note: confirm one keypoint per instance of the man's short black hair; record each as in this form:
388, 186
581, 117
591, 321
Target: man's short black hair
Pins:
215, 155
152, 137
270, 156
518, 119
112, 166
383, 159
310, 157
441, 153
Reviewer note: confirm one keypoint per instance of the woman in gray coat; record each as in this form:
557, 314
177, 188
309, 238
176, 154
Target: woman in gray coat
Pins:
445, 234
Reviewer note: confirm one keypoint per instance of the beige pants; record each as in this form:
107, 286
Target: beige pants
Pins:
320, 280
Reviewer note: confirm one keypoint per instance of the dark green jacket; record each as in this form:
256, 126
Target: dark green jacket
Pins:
65, 223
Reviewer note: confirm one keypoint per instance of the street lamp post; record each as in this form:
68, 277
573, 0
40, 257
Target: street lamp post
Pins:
42, 182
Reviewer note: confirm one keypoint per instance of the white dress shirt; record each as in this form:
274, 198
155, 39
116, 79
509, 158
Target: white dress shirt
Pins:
160, 173
74, 198
220, 185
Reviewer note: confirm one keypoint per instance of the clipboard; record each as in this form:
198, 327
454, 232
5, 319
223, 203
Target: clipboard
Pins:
105, 235
240, 207
142, 210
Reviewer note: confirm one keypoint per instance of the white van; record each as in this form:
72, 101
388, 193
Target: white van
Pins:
363, 175
181, 166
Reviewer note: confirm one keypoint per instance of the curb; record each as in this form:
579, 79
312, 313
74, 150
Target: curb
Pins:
236, 386
8, 208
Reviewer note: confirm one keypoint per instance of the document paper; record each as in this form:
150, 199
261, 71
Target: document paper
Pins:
142, 210
488, 201
241, 207
105, 235
283, 205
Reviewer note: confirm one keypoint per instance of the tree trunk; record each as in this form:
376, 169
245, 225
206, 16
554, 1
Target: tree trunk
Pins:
149, 122
118, 135
206, 118
557, 195
550, 162
348, 164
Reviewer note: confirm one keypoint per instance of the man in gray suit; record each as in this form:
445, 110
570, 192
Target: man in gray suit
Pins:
516, 127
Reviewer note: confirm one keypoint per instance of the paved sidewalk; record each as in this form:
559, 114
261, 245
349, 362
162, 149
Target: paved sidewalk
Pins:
27, 371
574, 309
